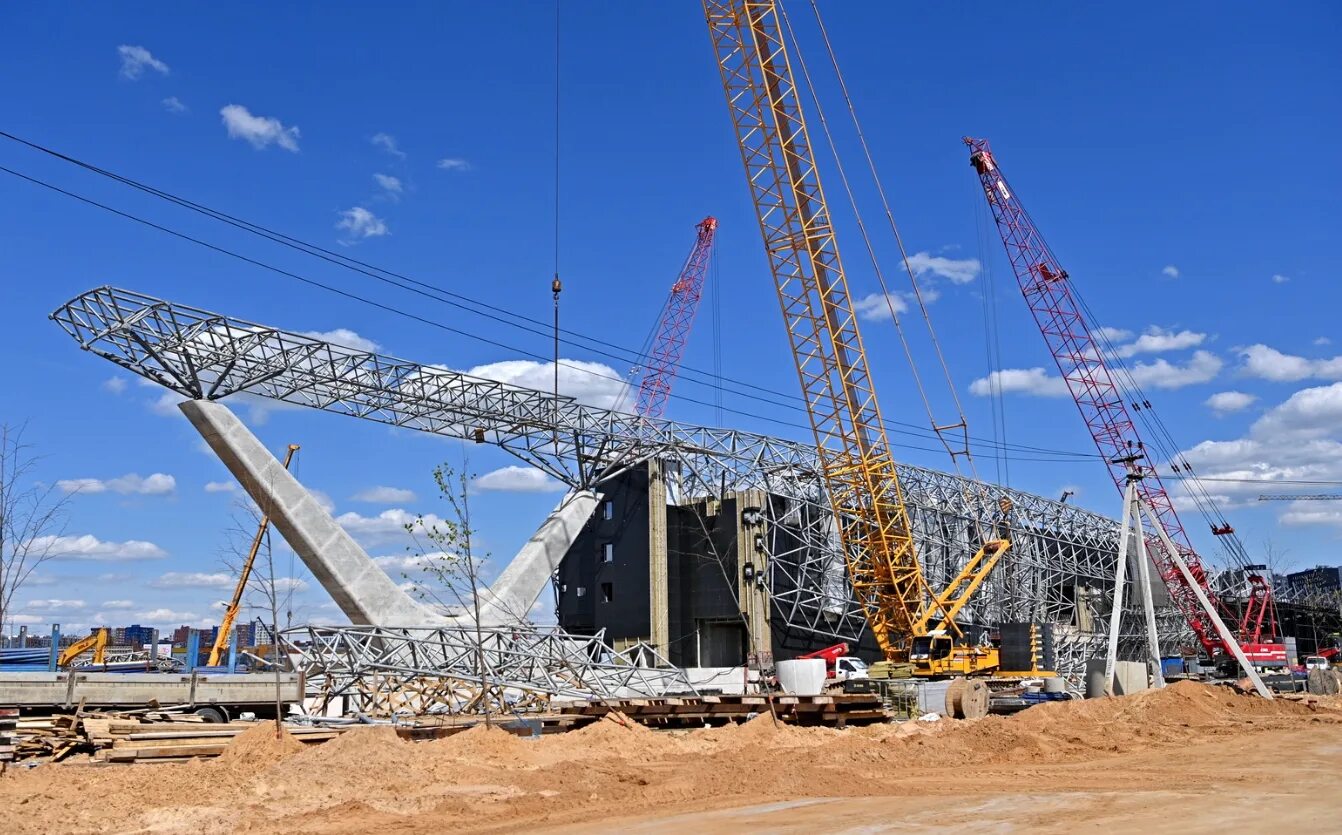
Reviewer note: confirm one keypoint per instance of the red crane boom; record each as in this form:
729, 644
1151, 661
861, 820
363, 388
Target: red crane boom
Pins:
674, 328
1048, 293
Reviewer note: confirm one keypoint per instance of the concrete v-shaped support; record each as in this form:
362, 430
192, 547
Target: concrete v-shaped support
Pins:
361, 589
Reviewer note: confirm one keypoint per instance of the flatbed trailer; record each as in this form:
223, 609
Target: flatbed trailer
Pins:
216, 696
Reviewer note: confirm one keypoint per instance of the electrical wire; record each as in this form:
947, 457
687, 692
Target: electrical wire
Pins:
767, 396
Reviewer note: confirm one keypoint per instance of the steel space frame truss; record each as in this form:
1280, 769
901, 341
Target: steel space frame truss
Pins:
1060, 553
458, 670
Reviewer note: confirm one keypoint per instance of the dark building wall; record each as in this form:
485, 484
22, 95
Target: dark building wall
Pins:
624, 615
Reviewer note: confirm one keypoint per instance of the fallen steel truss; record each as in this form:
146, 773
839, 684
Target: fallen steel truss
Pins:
385, 671
1061, 556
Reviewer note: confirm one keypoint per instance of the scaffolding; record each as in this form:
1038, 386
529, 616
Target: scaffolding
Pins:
385, 670
1062, 560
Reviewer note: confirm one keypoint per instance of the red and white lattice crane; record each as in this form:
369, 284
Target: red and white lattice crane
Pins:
1081, 361
673, 331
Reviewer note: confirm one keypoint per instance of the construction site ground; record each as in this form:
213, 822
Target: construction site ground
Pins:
1191, 758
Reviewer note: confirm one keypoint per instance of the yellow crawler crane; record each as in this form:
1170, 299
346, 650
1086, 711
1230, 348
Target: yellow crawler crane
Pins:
909, 621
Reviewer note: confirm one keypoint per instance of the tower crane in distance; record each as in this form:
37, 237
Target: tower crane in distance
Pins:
1081, 362
673, 330
910, 622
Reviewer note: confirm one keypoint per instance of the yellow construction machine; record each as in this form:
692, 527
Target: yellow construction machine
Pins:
913, 624
96, 641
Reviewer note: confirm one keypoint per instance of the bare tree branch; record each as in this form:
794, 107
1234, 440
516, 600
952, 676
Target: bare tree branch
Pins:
32, 518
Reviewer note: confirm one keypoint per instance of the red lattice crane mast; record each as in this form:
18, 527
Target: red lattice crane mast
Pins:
1057, 311
674, 328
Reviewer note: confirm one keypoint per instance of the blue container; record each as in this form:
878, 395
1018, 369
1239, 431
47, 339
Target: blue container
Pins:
1172, 666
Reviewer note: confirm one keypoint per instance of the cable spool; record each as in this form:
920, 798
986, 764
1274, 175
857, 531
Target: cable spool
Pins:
967, 699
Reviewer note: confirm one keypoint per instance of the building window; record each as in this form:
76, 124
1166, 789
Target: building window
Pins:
582, 591
607, 592
608, 510
608, 552
563, 588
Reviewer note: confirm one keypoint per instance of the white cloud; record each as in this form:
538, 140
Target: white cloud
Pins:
1170, 271
323, 500
1297, 440
289, 584
164, 617
221, 487
166, 404
136, 59
1225, 402
592, 383
387, 142
876, 307
385, 495
1033, 381
1271, 364
358, 223
259, 131
195, 580
87, 547
1278, 278
1157, 340
403, 564
55, 605
954, 270
1113, 334
454, 164
118, 604
513, 479
346, 338
172, 104
389, 184
387, 526
1323, 340
116, 385
157, 484
23, 620
1202, 367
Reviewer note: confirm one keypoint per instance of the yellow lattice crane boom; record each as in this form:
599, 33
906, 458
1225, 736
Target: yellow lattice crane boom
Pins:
821, 322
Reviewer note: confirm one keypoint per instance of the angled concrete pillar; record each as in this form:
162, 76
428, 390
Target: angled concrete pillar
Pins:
363, 591
519, 585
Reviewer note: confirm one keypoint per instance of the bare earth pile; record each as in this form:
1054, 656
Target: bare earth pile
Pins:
1140, 762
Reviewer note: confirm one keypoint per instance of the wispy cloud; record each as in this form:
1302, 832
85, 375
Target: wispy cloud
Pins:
391, 186
454, 164
1032, 381
387, 142
259, 131
385, 495
1268, 363
877, 307
89, 548
344, 337
1225, 402
360, 224
1278, 278
221, 487
1157, 340
954, 270
136, 59
116, 385
157, 484
514, 479
1170, 271
172, 104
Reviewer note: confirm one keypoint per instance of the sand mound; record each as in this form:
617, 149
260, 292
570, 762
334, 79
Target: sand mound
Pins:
764, 730
259, 746
485, 744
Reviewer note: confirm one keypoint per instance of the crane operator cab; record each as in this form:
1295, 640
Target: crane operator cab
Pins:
937, 654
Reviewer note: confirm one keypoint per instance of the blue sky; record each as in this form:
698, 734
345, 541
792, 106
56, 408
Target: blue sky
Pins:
1178, 160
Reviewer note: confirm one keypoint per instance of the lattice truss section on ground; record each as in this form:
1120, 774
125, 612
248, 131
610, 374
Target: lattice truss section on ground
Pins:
1060, 568
385, 671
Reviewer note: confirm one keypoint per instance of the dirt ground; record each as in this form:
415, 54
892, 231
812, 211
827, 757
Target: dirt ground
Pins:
1191, 758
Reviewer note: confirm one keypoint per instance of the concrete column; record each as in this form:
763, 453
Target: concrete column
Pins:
659, 600
363, 591
519, 585
753, 597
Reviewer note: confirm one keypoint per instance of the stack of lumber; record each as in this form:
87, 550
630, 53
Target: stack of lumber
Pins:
836, 709
121, 737
9, 720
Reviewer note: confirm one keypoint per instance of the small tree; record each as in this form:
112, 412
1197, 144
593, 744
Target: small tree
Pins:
32, 518
451, 563
264, 591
